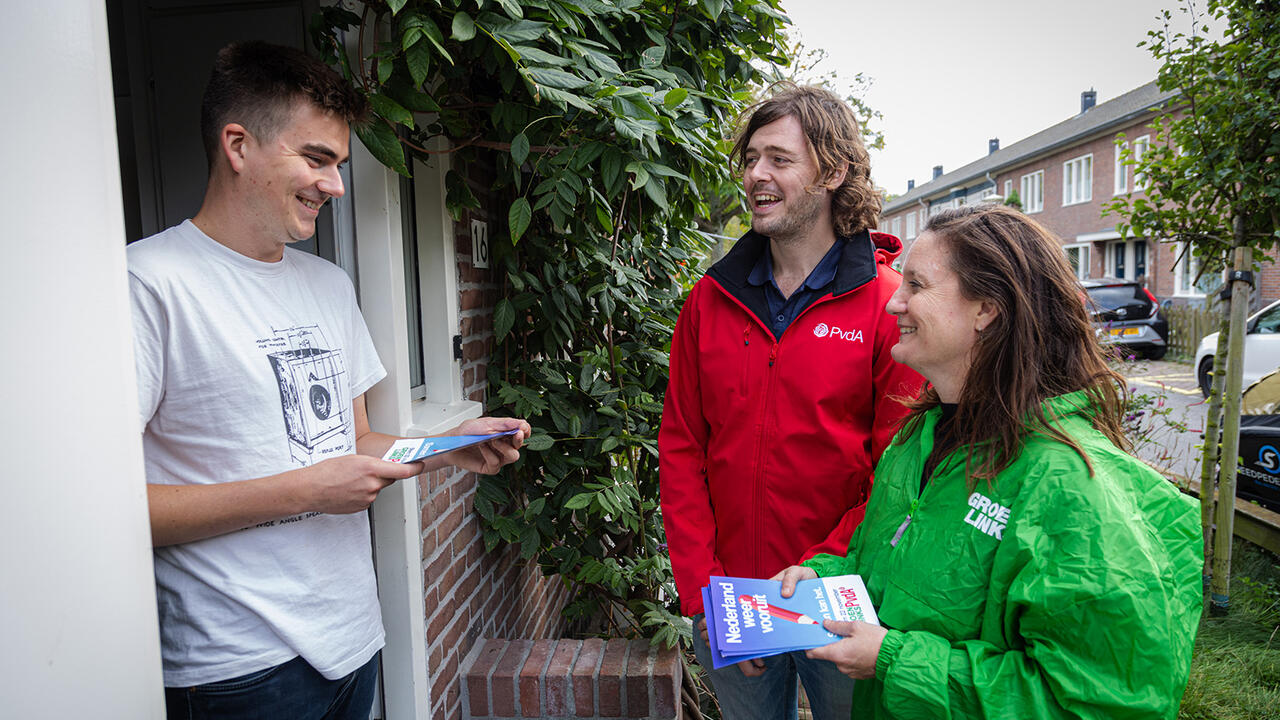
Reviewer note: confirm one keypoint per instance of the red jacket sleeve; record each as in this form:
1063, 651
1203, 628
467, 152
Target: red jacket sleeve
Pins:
682, 461
893, 383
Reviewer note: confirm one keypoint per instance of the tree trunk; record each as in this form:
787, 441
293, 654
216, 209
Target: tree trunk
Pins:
1213, 443
1242, 262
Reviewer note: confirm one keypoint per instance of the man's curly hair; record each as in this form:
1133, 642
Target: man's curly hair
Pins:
835, 142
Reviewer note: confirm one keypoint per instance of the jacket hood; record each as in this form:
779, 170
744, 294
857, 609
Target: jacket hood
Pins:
888, 247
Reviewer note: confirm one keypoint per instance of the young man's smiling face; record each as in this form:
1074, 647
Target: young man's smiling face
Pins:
780, 177
294, 173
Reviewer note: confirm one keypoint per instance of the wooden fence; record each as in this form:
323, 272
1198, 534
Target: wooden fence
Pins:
1187, 327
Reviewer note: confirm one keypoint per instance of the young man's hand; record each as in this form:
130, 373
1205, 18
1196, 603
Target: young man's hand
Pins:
350, 483
488, 458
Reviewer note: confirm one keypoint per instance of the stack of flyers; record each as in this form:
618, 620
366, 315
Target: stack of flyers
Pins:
749, 618
414, 449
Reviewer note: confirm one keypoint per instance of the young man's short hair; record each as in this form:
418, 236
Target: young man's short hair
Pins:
258, 85
835, 140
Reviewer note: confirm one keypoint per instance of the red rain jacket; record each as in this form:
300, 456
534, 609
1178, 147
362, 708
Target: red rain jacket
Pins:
767, 444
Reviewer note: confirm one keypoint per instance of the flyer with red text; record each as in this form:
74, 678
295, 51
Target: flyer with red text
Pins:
748, 618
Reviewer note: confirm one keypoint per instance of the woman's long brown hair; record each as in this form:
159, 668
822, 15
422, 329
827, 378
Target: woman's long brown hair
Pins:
1040, 345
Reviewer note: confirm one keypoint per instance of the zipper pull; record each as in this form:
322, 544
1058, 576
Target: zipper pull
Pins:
746, 335
773, 353
915, 504
901, 529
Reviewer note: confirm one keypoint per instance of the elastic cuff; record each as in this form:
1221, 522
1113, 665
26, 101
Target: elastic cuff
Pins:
888, 651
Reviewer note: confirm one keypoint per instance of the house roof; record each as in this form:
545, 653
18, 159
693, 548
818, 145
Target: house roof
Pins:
1117, 111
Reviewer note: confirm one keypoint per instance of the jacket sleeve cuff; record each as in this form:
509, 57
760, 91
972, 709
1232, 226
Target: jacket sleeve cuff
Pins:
889, 648
825, 564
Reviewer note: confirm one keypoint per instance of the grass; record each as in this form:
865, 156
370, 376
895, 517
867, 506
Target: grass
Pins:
1235, 671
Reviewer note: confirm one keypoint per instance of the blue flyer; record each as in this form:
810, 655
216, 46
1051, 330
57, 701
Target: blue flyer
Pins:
748, 618
414, 449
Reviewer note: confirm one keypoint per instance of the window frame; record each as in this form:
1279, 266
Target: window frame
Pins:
1077, 180
1032, 181
1082, 264
1141, 145
1121, 177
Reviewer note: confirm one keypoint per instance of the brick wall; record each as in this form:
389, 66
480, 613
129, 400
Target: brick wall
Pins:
571, 679
470, 594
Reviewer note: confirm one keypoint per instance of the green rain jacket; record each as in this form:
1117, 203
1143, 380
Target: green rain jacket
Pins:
1046, 593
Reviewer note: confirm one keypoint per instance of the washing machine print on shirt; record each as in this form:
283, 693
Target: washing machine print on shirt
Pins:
314, 394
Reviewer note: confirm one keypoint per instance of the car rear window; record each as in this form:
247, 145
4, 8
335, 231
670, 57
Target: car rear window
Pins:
1111, 297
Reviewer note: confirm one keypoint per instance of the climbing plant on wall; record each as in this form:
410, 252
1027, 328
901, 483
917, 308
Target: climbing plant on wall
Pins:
605, 124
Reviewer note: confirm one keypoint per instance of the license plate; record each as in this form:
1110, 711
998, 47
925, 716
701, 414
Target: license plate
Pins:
1125, 331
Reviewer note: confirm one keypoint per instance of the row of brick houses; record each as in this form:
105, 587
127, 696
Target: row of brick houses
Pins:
1063, 176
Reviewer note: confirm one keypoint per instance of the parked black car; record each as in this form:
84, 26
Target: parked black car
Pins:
1129, 315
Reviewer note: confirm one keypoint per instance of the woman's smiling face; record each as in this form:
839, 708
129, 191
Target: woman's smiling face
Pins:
938, 326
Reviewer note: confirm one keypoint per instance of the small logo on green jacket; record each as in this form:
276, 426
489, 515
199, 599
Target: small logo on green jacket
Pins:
987, 515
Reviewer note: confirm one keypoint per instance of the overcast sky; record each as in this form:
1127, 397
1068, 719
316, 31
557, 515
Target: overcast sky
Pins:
950, 75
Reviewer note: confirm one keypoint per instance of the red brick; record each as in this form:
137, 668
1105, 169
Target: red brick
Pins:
479, 664
531, 679
668, 676
584, 677
438, 567
558, 678
637, 679
470, 299
502, 682
446, 525
609, 682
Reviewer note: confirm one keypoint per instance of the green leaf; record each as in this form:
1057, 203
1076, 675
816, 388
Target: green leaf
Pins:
552, 77
383, 144
674, 97
396, 5
512, 8
605, 221
579, 501
519, 148
518, 218
504, 317
464, 28
391, 110
539, 442
418, 58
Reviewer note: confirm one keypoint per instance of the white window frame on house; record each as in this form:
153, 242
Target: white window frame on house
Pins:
1121, 169
392, 405
1032, 192
911, 225
1082, 257
1184, 273
895, 227
1008, 189
1077, 180
1140, 147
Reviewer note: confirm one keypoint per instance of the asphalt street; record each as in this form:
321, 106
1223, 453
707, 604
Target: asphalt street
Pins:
1173, 422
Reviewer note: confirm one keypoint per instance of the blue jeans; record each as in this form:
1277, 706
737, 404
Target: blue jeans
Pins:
773, 695
291, 690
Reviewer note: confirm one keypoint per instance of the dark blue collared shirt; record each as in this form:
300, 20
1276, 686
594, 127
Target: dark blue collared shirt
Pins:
784, 311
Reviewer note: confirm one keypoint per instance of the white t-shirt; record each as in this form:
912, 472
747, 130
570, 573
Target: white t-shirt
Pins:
247, 369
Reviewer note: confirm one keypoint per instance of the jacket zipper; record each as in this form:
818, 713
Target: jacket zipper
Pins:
758, 493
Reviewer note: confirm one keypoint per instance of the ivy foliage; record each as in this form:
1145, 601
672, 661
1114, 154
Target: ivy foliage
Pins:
604, 124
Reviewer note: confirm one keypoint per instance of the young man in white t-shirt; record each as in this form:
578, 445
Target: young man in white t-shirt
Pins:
253, 361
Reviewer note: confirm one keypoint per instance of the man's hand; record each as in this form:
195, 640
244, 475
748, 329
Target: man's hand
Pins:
792, 575
488, 458
854, 655
349, 483
752, 668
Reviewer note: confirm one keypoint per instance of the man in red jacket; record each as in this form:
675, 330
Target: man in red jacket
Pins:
782, 392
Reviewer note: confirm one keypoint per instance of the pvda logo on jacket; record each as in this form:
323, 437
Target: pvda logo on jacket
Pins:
821, 330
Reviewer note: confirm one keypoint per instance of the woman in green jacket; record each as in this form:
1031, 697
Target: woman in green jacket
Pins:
1022, 562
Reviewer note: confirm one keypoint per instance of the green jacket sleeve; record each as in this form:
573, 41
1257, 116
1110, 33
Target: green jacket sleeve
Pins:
826, 565
1102, 608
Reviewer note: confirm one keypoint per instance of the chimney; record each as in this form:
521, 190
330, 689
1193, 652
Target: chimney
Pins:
937, 171
911, 185
1088, 99
993, 145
